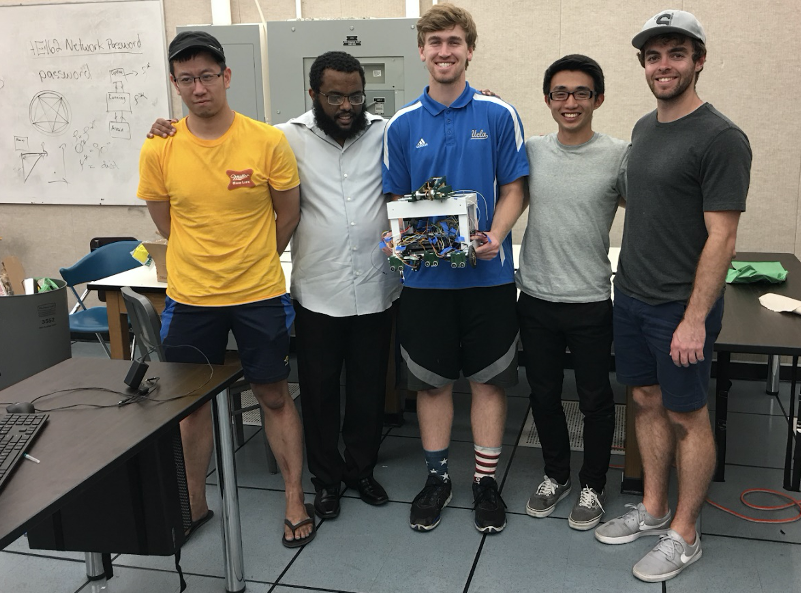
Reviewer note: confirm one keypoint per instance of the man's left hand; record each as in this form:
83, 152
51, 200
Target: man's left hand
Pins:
489, 247
687, 345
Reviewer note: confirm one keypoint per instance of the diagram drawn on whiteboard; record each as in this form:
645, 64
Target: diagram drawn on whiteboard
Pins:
49, 112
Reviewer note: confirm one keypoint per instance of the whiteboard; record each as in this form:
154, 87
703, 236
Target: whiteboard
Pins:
80, 85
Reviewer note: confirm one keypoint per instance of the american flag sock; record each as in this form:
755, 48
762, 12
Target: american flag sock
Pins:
437, 463
486, 461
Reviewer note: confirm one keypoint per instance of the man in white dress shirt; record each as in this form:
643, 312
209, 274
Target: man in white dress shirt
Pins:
341, 283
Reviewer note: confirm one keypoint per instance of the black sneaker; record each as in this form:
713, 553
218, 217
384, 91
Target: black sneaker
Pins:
489, 506
427, 506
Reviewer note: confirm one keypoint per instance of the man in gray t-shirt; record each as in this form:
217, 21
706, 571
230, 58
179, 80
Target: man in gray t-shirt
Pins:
688, 176
576, 180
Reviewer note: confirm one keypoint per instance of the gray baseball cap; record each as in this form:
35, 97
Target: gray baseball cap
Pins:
669, 21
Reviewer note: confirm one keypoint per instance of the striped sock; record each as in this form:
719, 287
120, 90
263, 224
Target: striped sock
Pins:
486, 461
437, 463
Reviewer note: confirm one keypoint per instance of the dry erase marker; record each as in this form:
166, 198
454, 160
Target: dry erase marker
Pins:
31, 458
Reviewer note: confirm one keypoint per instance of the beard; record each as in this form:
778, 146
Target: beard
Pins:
330, 127
681, 87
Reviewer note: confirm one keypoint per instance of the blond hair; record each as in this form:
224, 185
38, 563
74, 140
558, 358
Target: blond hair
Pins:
441, 17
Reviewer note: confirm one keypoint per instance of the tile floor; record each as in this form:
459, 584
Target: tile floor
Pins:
371, 549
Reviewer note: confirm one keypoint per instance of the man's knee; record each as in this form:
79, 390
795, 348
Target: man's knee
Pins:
686, 423
272, 396
646, 397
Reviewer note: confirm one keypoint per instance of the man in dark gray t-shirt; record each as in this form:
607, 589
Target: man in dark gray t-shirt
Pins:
688, 176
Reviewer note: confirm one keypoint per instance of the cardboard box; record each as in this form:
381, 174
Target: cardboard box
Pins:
158, 252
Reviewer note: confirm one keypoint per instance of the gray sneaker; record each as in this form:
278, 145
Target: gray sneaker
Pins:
588, 510
546, 497
633, 525
670, 556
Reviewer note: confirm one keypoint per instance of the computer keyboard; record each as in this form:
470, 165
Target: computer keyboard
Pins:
17, 433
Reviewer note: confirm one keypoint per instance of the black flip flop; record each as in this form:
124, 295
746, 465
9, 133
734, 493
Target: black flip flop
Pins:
296, 543
198, 524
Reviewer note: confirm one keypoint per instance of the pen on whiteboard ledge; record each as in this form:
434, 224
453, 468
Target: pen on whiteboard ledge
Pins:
31, 458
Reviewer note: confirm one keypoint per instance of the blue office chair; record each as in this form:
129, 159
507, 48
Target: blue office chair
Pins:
105, 261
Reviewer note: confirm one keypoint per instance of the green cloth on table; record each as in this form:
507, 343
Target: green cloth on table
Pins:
742, 272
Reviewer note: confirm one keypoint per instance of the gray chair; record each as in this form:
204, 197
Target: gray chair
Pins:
146, 326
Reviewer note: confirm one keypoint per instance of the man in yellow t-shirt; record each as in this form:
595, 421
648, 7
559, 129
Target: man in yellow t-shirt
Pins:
225, 191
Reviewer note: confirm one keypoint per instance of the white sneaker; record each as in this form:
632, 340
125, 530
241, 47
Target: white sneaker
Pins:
633, 525
670, 556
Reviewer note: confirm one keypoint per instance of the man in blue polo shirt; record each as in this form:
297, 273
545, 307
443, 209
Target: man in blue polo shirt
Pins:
477, 143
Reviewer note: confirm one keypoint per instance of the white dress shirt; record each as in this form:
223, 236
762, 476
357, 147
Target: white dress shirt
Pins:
337, 266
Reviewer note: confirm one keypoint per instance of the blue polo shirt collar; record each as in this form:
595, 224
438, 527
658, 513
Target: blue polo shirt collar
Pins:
435, 107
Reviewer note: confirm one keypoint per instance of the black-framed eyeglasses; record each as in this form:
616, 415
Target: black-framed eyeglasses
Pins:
206, 79
578, 95
337, 99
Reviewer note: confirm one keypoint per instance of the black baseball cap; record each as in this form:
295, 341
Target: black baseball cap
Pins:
195, 40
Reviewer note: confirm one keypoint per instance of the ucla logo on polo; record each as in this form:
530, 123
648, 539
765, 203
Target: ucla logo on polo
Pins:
478, 135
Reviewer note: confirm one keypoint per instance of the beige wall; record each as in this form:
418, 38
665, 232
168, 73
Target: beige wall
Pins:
751, 76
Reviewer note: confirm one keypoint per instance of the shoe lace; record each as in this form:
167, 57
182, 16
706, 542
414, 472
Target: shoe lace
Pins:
488, 497
668, 546
588, 498
547, 488
429, 495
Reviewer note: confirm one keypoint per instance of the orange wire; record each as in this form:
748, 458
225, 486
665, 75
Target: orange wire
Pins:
791, 502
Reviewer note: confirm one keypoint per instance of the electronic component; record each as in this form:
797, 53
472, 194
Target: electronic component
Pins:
437, 226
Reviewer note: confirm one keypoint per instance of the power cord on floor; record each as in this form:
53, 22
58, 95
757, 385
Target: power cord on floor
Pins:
791, 502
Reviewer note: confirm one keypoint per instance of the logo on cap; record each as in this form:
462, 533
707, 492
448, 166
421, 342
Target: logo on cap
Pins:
664, 19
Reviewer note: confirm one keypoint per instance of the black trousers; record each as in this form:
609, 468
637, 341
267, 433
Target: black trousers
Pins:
324, 345
546, 328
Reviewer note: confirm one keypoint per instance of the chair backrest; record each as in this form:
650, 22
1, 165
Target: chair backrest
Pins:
98, 242
105, 261
146, 324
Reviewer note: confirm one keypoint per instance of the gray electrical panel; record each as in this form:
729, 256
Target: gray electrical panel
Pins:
386, 48
244, 47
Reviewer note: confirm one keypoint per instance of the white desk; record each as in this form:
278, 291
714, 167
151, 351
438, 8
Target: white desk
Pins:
143, 280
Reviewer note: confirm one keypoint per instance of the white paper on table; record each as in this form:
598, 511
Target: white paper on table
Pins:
780, 304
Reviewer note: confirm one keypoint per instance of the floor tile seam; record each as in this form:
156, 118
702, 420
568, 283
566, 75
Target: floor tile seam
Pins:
470, 442
749, 466
262, 488
185, 572
706, 534
33, 554
515, 446
311, 588
475, 563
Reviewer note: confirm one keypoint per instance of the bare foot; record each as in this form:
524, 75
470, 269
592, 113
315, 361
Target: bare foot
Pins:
295, 513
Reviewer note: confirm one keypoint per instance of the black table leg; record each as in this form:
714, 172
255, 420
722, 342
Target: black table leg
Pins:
792, 467
722, 386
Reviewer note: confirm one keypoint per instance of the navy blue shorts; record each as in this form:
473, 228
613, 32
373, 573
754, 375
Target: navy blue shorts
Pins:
643, 333
261, 330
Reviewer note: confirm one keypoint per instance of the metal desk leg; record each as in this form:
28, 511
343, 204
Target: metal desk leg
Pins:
94, 566
722, 386
226, 471
792, 471
774, 366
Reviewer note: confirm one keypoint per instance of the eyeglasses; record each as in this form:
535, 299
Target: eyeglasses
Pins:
579, 95
336, 99
206, 79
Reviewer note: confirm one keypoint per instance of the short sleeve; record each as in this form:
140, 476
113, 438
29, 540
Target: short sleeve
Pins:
395, 170
283, 168
512, 158
151, 178
726, 171
622, 179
